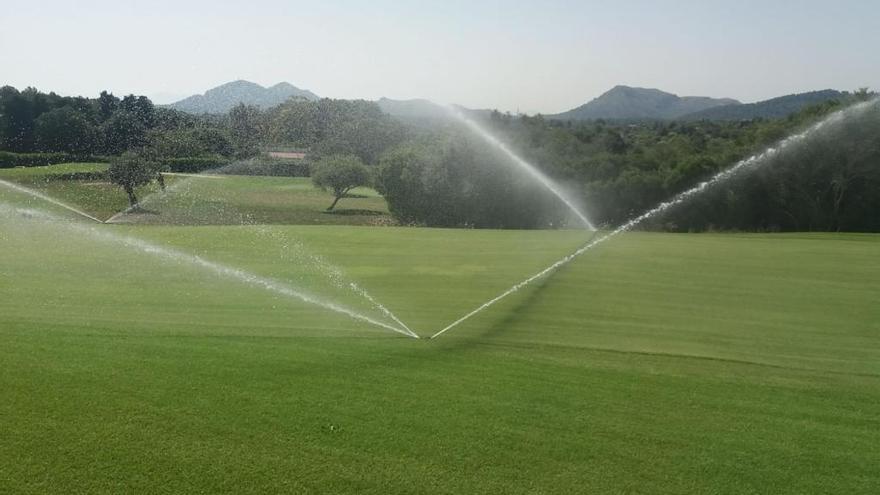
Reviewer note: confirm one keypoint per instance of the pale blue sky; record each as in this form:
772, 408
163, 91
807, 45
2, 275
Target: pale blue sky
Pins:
542, 56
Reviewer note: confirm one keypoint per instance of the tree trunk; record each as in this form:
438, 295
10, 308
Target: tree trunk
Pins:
330, 208
132, 200
161, 179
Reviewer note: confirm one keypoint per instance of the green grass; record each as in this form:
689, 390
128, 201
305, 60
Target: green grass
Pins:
655, 364
98, 198
224, 199
215, 199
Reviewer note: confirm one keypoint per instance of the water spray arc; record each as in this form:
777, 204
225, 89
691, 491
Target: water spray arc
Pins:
150, 197
329, 270
50, 199
521, 163
237, 274
748, 163
337, 277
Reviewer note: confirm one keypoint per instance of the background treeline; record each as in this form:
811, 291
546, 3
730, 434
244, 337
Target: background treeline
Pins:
444, 175
42, 128
620, 170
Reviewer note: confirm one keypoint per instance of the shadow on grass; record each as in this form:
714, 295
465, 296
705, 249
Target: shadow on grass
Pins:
533, 297
512, 316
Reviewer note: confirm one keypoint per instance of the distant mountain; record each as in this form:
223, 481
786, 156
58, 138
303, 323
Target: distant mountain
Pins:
627, 103
222, 98
772, 108
412, 109
422, 111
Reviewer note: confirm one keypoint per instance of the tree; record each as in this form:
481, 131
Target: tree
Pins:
17, 114
442, 180
198, 141
107, 105
132, 170
123, 131
64, 129
340, 174
245, 124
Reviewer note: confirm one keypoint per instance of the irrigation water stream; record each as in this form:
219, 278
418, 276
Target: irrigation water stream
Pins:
145, 247
741, 166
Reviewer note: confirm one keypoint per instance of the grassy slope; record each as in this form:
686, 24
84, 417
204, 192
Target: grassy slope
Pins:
194, 200
267, 200
656, 364
97, 198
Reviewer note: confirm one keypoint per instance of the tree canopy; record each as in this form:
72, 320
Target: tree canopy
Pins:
339, 174
131, 170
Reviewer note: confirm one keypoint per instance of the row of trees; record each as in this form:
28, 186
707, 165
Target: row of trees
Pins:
32, 121
445, 176
324, 127
623, 169
448, 177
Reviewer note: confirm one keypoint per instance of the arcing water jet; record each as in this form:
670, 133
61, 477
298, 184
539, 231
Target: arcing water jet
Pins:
521, 163
199, 262
50, 199
742, 165
328, 270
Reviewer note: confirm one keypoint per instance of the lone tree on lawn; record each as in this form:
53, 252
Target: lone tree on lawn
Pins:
340, 174
132, 170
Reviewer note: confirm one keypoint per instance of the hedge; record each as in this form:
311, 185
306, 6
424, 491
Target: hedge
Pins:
270, 167
12, 160
93, 176
195, 164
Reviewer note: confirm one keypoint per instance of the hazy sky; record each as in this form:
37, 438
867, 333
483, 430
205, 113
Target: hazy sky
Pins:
545, 56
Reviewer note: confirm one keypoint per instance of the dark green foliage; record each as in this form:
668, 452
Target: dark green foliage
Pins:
246, 128
332, 127
444, 180
133, 170
651, 162
123, 131
830, 183
65, 129
191, 142
34, 121
340, 174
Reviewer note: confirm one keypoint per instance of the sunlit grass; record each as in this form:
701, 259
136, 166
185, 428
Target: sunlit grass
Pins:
654, 364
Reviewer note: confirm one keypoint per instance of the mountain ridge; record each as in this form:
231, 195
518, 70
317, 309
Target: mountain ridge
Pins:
634, 103
780, 106
224, 97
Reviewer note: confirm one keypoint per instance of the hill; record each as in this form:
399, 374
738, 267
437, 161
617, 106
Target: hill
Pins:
782, 106
222, 98
412, 109
421, 111
628, 103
